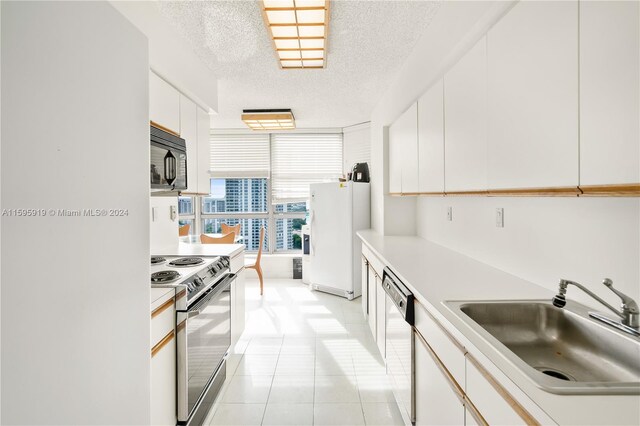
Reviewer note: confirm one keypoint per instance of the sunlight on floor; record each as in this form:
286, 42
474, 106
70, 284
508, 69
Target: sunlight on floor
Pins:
305, 358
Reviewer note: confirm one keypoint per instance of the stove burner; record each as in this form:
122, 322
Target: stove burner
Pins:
187, 261
164, 276
157, 260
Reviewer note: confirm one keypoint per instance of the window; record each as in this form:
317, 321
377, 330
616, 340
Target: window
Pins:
238, 201
298, 160
186, 213
262, 180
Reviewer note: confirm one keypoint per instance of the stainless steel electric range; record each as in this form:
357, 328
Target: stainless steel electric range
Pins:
203, 327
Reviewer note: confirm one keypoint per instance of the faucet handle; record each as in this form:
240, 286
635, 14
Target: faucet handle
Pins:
628, 304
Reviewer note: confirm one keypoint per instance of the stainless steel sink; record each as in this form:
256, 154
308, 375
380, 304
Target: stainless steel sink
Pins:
562, 350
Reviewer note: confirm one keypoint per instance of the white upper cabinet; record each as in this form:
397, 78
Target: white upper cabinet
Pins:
465, 122
204, 130
164, 103
431, 140
395, 160
533, 96
403, 152
609, 91
189, 132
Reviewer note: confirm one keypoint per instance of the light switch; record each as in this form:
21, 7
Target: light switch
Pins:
499, 217
154, 214
173, 213
449, 213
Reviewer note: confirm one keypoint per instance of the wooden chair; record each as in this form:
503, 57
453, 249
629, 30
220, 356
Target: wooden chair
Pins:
226, 228
256, 265
183, 231
225, 239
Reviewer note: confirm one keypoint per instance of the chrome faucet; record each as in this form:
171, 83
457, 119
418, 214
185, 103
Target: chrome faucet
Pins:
630, 315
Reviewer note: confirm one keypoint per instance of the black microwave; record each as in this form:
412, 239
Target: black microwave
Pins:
168, 161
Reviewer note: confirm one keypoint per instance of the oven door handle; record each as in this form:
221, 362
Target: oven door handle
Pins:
221, 287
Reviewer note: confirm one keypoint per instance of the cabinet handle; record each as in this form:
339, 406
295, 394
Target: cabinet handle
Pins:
162, 343
160, 309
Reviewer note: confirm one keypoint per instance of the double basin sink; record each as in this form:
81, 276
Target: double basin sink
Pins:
561, 349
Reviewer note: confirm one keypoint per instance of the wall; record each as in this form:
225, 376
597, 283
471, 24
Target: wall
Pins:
455, 27
75, 135
163, 231
170, 55
356, 144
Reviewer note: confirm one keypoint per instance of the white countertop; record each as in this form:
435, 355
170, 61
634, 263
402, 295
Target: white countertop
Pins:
436, 274
197, 249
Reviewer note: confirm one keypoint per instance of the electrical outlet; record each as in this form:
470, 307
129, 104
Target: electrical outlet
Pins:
449, 213
499, 217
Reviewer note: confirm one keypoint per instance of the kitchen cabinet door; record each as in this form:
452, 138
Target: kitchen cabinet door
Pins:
431, 139
437, 403
403, 152
380, 315
364, 284
395, 160
238, 306
609, 92
465, 123
371, 294
163, 385
204, 144
533, 97
164, 103
189, 132
491, 405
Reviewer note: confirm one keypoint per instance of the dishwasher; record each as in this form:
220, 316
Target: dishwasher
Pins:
400, 344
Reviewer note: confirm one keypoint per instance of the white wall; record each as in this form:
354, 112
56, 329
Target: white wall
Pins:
171, 56
455, 27
75, 292
544, 239
356, 142
163, 230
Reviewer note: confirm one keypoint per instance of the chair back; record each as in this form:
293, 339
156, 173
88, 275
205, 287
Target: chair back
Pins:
226, 228
183, 231
262, 230
225, 239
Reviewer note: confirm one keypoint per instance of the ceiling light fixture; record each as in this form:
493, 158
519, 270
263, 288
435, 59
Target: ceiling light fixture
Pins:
269, 119
298, 30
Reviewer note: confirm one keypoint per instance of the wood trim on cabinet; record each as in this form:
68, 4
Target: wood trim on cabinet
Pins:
515, 405
452, 381
181, 294
482, 193
160, 309
623, 190
444, 330
181, 326
161, 127
474, 412
162, 343
561, 191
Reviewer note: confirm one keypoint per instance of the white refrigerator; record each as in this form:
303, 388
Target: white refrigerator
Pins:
337, 211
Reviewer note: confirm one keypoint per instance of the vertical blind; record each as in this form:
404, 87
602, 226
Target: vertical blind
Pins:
239, 156
298, 160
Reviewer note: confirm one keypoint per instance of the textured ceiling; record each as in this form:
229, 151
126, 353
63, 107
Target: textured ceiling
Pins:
368, 42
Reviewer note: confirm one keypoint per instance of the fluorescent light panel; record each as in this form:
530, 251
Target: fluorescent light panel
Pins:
269, 119
298, 29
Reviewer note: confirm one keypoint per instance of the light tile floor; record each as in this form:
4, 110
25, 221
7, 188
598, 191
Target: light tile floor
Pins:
305, 358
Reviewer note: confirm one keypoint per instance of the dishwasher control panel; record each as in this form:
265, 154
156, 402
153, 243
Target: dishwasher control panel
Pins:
399, 294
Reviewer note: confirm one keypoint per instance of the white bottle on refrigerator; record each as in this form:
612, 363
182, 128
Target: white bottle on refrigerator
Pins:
338, 210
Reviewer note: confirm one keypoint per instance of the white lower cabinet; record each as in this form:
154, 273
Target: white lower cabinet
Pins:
364, 284
163, 385
437, 403
469, 420
238, 306
493, 407
163, 365
380, 313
